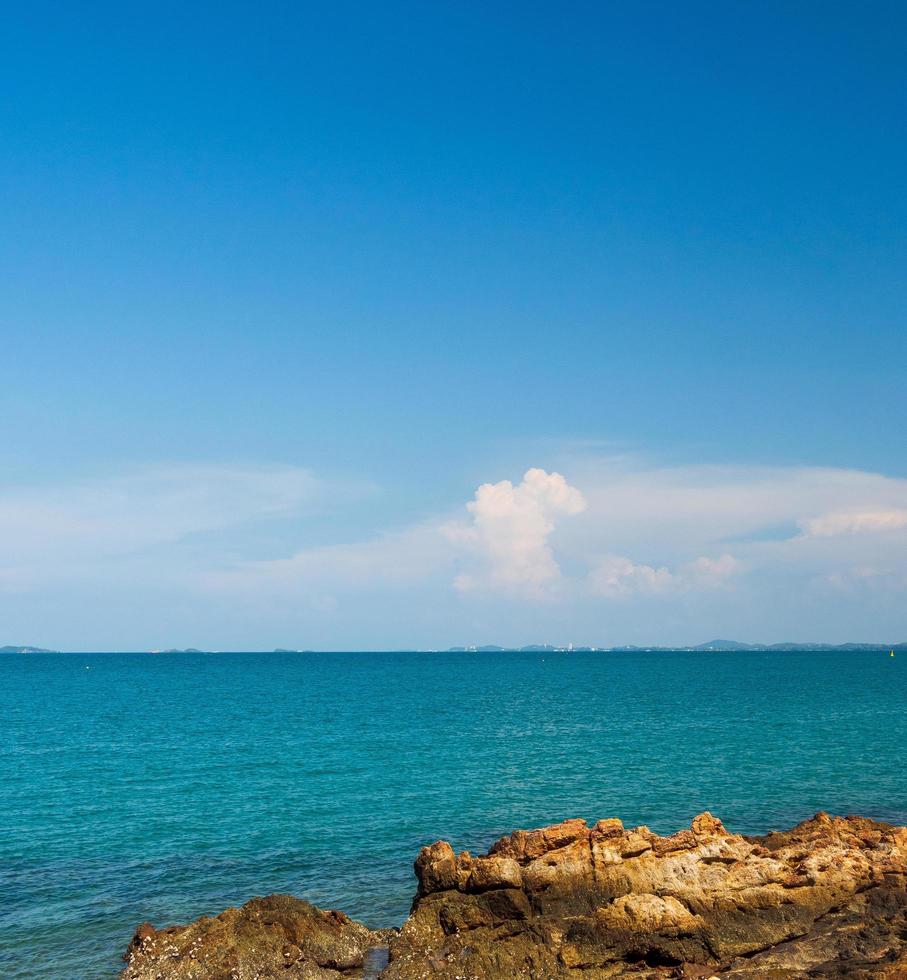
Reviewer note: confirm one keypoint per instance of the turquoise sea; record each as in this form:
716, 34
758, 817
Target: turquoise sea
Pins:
137, 787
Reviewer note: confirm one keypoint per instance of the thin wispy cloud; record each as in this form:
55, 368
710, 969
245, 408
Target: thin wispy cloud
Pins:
44, 530
855, 522
615, 576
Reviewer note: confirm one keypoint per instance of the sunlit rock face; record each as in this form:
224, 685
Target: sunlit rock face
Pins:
826, 899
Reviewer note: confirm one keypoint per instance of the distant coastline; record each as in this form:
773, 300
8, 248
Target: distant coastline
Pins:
26, 650
713, 646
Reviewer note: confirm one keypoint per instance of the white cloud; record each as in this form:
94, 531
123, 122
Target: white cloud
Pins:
615, 576
854, 522
713, 572
510, 533
676, 513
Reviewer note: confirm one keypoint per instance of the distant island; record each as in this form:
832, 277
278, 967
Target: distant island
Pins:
175, 650
26, 650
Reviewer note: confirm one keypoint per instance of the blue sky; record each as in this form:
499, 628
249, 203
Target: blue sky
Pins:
284, 284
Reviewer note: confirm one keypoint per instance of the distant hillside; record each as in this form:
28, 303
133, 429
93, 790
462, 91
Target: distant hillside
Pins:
724, 645
713, 646
732, 645
25, 650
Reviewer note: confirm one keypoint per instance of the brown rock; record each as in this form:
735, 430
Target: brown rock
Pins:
705, 825
612, 827
526, 845
267, 937
825, 899
493, 872
145, 933
436, 868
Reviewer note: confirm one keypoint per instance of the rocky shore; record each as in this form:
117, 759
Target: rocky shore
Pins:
827, 898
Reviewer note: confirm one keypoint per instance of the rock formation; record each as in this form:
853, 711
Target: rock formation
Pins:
825, 899
277, 936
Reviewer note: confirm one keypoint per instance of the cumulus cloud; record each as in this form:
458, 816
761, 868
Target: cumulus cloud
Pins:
854, 522
510, 533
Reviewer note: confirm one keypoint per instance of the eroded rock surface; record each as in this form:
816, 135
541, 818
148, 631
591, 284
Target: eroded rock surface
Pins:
826, 899
277, 936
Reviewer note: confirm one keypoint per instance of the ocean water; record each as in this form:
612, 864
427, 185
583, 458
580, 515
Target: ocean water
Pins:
138, 787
